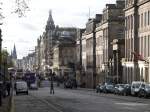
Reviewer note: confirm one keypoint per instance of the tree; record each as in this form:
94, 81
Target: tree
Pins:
6, 63
21, 7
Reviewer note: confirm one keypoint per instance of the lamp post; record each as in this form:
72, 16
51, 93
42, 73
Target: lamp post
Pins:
110, 69
5, 64
0, 68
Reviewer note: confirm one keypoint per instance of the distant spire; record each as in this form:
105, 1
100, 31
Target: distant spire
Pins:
14, 53
50, 23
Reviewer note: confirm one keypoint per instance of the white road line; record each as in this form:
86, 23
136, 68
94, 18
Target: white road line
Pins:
46, 102
132, 104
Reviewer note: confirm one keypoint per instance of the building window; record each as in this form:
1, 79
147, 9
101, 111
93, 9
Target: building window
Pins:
149, 45
131, 22
145, 54
141, 20
141, 45
145, 18
148, 17
147, 49
126, 24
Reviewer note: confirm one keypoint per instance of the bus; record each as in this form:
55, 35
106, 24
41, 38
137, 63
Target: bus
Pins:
30, 78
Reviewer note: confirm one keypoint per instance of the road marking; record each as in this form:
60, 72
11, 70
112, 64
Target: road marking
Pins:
46, 102
132, 104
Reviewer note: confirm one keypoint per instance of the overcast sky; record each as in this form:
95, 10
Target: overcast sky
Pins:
25, 31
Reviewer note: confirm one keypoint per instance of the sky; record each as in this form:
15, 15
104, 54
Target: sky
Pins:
24, 31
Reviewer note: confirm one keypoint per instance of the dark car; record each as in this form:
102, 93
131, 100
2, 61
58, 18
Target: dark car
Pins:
127, 90
118, 89
144, 90
68, 84
108, 88
102, 88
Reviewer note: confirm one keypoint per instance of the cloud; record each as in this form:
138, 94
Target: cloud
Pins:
25, 31
29, 26
20, 40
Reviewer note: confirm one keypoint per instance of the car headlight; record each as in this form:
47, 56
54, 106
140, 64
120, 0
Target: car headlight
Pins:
147, 89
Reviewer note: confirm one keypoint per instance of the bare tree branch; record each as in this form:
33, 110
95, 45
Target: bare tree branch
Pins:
21, 8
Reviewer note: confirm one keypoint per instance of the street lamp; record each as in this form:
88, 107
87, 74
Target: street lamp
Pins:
0, 68
5, 63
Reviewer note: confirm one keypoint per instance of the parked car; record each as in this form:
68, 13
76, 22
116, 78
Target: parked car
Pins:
98, 88
21, 87
135, 87
34, 86
127, 90
144, 90
118, 89
68, 84
102, 88
108, 88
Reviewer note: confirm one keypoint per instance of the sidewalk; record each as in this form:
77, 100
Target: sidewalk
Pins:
6, 102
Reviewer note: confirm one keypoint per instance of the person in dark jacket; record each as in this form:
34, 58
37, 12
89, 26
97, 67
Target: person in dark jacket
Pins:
52, 86
8, 86
51, 83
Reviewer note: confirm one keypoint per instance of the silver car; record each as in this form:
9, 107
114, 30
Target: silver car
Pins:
21, 87
135, 87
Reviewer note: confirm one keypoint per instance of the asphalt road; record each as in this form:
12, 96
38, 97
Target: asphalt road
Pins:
80, 100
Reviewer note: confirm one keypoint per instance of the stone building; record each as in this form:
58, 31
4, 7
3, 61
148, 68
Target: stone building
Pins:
29, 62
88, 52
110, 27
79, 75
99, 53
115, 64
137, 41
48, 40
44, 46
64, 53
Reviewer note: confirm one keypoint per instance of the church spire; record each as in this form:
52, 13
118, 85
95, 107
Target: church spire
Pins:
14, 53
50, 23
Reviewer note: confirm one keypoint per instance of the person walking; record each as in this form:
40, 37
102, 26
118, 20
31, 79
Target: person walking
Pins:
52, 86
8, 86
51, 83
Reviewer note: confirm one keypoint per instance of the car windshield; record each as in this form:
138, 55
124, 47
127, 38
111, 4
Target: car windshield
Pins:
137, 85
147, 86
21, 84
121, 85
109, 86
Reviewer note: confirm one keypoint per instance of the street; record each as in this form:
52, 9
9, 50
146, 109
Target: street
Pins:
80, 100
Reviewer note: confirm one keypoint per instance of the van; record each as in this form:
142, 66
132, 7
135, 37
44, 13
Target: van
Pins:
21, 87
135, 87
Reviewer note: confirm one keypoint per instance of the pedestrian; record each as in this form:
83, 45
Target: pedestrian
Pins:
8, 86
52, 86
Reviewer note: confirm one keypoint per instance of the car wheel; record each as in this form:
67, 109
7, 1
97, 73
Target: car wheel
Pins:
145, 95
96, 91
140, 94
16, 93
124, 94
27, 93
